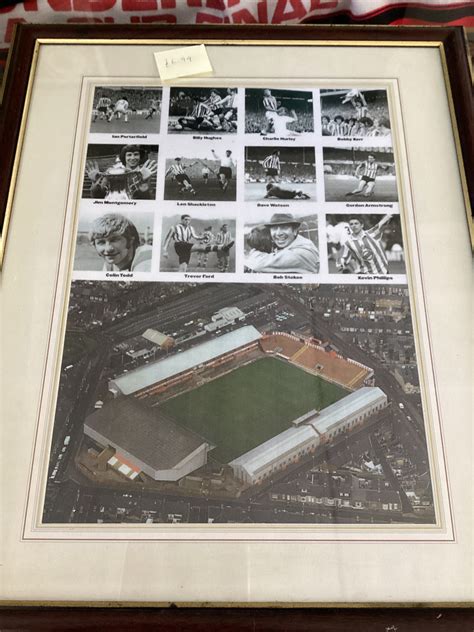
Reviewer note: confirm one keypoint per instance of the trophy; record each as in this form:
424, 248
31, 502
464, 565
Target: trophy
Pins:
118, 181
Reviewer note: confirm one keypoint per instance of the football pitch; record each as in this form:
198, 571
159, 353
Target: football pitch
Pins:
253, 403
137, 124
336, 187
210, 191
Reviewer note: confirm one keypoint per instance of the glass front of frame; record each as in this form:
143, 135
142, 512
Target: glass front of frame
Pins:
239, 345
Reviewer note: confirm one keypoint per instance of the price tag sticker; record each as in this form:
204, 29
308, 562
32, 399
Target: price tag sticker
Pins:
183, 62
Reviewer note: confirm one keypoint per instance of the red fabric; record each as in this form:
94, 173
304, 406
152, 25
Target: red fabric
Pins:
460, 12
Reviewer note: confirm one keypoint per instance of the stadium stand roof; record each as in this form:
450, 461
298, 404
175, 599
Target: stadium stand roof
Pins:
305, 418
179, 362
259, 457
156, 337
148, 435
276, 447
347, 406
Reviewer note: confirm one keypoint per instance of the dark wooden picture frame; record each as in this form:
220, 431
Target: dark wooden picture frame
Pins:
453, 49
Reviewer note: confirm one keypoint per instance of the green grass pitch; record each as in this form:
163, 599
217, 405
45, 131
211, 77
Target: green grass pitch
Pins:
244, 408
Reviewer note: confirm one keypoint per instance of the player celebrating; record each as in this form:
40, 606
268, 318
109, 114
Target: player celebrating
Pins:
272, 166
177, 170
369, 170
358, 102
338, 127
225, 168
275, 191
129, 178
282, 119
364, 248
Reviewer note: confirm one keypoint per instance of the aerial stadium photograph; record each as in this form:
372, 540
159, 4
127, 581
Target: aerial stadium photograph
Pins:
126, 110
213, 403
354, 174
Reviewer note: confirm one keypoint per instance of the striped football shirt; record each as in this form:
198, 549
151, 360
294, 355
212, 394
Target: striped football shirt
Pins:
223, 239
183, 234
104, 102
177, 169
370, 169
270, 103
272, 162
367, 251
200, 110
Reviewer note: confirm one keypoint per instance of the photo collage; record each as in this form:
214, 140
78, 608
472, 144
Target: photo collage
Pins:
239, 345
218, 183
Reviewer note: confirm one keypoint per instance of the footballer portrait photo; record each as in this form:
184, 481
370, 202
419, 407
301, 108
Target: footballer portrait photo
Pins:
278, 113
364, 244
203, 111
280, 173
118, 173
355, 113
281, 242
126, 110
359, 174
113, 241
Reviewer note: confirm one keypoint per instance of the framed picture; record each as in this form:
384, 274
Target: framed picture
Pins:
236, 316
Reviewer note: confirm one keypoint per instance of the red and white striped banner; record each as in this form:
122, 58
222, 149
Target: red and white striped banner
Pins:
231, 12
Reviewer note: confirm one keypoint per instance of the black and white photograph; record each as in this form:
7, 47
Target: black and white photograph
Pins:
280, 173
278, 113
352, 174
126, 110
118, 173
203, 110
355, 113
281, 242
114, 241
205, 172
198, 242
365, 244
